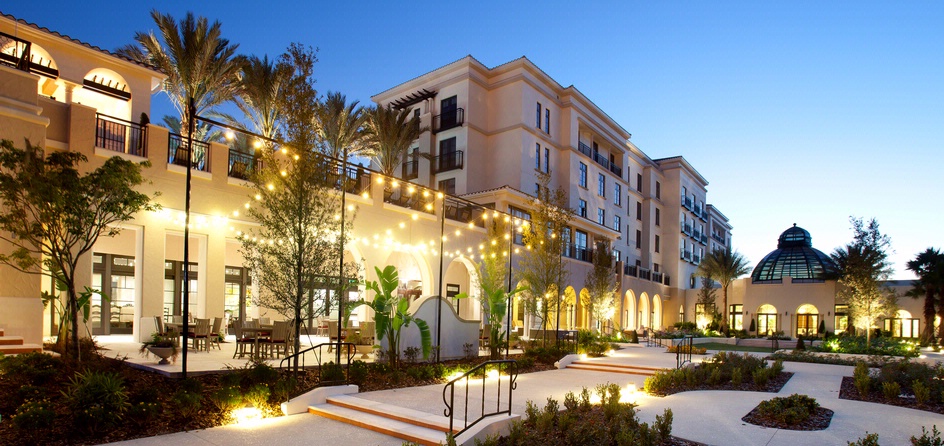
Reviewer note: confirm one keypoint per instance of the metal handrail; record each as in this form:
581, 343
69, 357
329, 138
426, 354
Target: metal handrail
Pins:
683, 351
510, 367
351, 353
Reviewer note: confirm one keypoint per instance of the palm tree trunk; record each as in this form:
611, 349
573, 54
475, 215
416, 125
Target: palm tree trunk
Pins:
927, 336
940, 313
724, 310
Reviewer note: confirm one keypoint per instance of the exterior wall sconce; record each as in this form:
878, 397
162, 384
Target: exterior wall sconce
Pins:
786, 313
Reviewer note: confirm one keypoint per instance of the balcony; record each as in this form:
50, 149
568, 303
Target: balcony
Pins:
353, 180
703, 216
696, 259
242, 165
686, 229
577, 252
584, 149
704, 239
718, 238
177, 153
410, 170
645, 274
687, 203
408, 196
696, 235
618, 171
120, 136
17, 53
448, 161
657, 277
630, 270
464, 212
449, 119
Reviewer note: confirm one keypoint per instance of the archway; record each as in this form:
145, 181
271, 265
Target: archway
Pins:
583, 310
903, 325
629, 311
657, 312
766, 319
416, 277
462, 277
644, 316
570, 307
107, 92
807, 322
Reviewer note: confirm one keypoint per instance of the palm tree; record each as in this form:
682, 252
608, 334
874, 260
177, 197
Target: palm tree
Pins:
260, 85
340, 127
199, 64
929, 267
201, 132
724, 266
390, 133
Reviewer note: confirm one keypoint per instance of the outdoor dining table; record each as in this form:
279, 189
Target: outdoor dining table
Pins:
257, 333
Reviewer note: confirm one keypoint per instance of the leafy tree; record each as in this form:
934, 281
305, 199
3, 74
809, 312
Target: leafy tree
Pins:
390, 133
929, 267
298, 97
707, 298
391, 315
340, 127
540, 265
724, 266
296, 247
601, 283
199, 63
52, 215
863, 267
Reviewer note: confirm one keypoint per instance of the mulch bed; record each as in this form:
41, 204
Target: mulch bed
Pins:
139, 382
848, 391
773, 386
818, 421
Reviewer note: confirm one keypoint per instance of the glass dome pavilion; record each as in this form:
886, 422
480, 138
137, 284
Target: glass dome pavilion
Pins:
795, 257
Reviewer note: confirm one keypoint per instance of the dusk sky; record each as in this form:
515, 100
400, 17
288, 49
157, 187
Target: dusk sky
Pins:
795, 112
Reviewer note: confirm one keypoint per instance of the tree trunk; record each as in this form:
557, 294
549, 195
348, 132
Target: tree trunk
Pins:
927, 335
724, 310
74, 311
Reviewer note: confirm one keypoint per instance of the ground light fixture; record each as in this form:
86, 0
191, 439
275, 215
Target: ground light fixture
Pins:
247, 415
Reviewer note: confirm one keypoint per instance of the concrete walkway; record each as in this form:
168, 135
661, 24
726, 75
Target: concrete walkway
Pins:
711, 417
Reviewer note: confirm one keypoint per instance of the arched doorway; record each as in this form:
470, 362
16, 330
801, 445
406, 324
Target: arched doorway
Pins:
462, 277
644, 316
583, 310
903, 325
570, 307
807, 323
656, 312
629, 311
766, 319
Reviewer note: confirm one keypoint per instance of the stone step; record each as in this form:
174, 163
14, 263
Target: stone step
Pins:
11, 340
402, 414
381, 424
613, 368
621, 366
2, 332
17, 349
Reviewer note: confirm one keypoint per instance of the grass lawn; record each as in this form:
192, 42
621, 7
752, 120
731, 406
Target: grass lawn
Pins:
733, 348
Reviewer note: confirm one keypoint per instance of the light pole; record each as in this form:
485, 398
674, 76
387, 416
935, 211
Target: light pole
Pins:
191, 119
442, 239
511, 251
341, 289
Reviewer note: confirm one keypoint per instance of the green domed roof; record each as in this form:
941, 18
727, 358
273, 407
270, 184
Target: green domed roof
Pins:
795, 257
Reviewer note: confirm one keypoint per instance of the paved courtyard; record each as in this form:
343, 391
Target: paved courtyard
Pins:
711, 417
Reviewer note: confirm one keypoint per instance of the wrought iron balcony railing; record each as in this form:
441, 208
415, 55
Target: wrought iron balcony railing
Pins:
410, 170
178, 151
121, 136
448, 161
449, 119
242, 165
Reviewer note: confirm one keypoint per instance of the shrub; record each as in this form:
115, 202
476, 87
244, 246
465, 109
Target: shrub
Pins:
694, 349
663, 425
261, 373
357, 372
33, 415
187, 403
891, 390
862, 379
30, 368
921, 391
332, 372
867, 440
525, 363
715, 377
688, 325
791, 410
258, 395
761, 377
226, 398
800, 345
98, 400
411, 353
737, 377
932, 438
633, 337
470, 351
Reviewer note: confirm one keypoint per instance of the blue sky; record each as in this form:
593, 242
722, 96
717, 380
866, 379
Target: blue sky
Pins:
796, 112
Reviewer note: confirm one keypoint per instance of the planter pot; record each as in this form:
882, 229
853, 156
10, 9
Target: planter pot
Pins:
163, 353
365, 350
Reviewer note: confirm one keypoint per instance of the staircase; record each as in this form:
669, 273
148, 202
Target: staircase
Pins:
625, 369
406, 424
12, 345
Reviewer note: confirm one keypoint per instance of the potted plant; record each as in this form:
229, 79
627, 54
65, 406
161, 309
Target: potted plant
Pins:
361, 344
162, 346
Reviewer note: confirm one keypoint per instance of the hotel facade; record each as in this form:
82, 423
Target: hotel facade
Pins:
491, 132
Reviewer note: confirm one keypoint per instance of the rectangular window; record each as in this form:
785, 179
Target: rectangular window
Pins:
736, 313
580, 239
520, 214
582, 208
537, 116
639, 182
658, 190
447, 147
638, 239
601, 216
639, 210
601, 185
617, 194
657, 243
448, 186
537, 156
547, 121
583, 175
841, 318
617, 255
617, 223
547, 160
537, 190
658, 218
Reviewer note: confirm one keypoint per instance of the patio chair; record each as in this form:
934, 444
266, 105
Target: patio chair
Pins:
216, 333
485, 337
242, 340
333, 333
159, 326
368, 331
201, 334
278, 343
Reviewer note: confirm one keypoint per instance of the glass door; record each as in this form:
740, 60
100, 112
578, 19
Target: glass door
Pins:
113, 275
